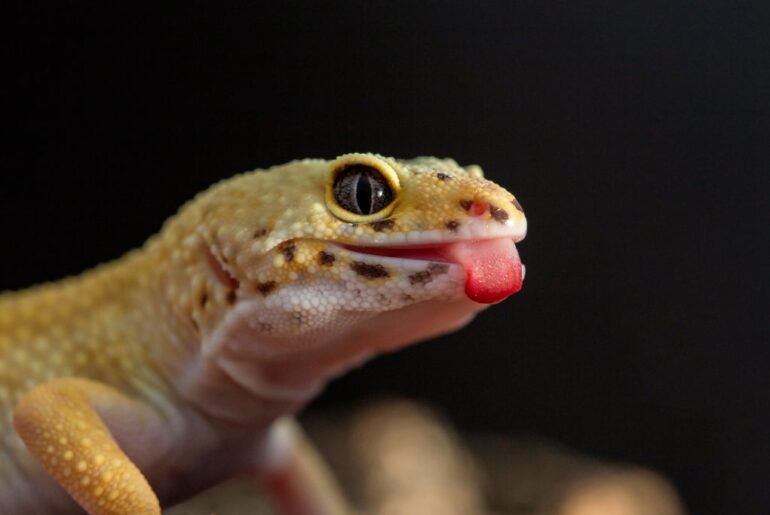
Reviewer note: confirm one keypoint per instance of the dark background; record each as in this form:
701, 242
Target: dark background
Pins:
634, 133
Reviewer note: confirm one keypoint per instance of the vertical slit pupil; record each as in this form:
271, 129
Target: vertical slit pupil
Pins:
364, 194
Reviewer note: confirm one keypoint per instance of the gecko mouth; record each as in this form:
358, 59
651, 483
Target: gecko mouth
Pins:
493, 269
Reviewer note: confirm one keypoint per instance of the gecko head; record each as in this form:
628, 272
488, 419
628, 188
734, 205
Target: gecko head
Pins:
363, 247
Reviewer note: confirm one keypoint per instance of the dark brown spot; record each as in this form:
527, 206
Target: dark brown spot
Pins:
326, 259
500, 215
266, 288
231, 297
466, 204
265, 327
517, 205
452, 225
368, 270
438, 268
382, 225
442, 176
259, 233
421, 277
407, 298
427, 275
204, 299
288, 250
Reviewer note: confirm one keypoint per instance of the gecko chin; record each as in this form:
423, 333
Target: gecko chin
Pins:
492, 267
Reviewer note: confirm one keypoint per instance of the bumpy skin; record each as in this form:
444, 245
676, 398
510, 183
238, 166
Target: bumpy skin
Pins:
167, 370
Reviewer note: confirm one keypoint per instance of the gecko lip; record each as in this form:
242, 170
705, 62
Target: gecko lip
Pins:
428, 252
493, 269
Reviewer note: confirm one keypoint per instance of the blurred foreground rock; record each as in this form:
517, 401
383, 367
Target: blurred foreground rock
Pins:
400, 458
531, 476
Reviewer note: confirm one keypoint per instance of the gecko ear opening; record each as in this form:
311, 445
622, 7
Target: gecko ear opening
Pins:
361, 188
218, 269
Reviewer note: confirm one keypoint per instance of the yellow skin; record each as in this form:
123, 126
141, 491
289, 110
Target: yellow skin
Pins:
158, 374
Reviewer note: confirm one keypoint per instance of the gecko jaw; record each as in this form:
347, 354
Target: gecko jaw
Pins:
492, 266
430, 245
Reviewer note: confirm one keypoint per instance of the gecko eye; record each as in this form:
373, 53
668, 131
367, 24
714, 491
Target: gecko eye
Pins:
362, 190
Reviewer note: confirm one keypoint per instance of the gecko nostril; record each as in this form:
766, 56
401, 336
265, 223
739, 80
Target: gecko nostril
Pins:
474, 207
478, 208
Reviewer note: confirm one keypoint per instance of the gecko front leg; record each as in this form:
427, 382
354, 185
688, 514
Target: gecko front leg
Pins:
64, 424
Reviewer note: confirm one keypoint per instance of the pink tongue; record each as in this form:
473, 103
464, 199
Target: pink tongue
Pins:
492, 268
